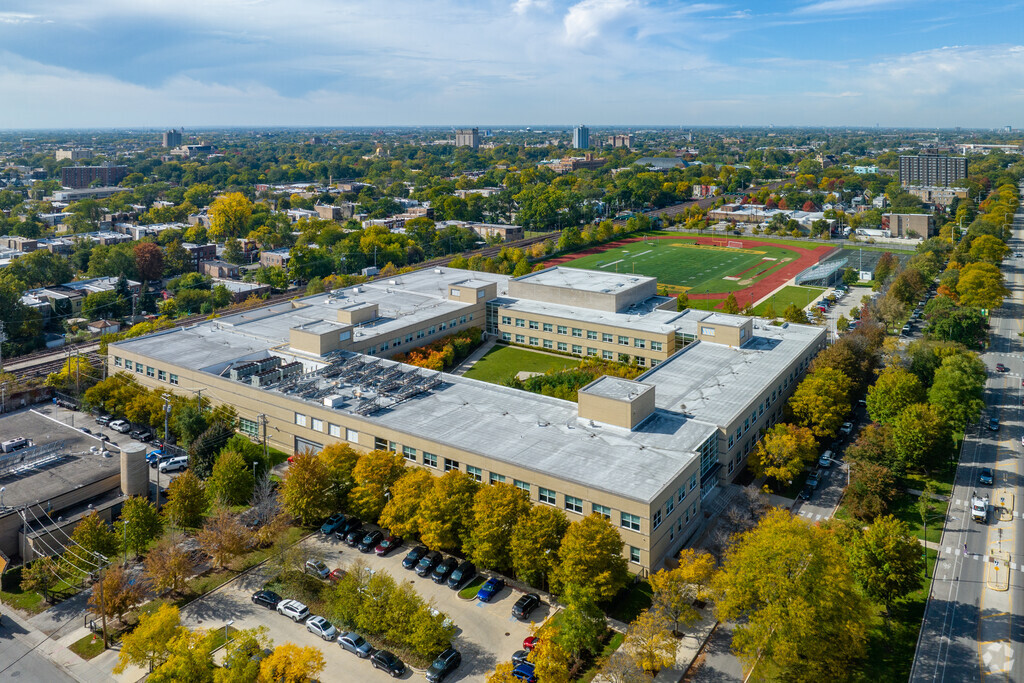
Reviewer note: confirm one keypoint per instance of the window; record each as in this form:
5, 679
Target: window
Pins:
173, 378
591, 334
655, 346
654, 361
548, 344
548, 327
693, 481
300, 419
429, 459
521, 485
681, 493
639, 343
602, 510
607, 338
623, 341
497, 478
117, 361
746, 424
623, 357
577, 349
249, 427
352, 436
607, 355
574, 504
334, 430
534, 341
520, 339
656, 519
591, 351
456, 292
577, 332
520, 322
138, 366
634, 554
562, 346
161, 375
506, 336
730, 441
318, 424
628, 521
450, 465
707, 331
534, 325
409, 453
382, 445
562, 329
546, 496
669, 506
506, 320
475, 472
641, 361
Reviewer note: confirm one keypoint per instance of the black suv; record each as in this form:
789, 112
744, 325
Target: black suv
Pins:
525, 605
462, 575
446, 662
427, 563
353, 537
442, 570
348, 525
370, 541
414, 556
268, 599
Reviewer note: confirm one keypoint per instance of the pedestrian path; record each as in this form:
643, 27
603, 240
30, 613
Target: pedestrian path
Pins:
814, 516
471, 360
934, 496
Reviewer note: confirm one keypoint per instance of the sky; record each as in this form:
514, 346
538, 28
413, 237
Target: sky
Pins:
158, 63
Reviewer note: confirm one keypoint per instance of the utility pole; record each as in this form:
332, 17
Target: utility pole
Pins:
103, 607
167, 414
78, 372
199, 399
3, 338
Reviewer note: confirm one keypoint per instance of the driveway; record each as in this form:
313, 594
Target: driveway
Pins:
487, 633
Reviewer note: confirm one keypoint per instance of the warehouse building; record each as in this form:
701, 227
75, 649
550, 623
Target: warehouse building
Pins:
646, 453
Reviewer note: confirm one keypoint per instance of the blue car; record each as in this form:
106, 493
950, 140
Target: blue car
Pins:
490, 588
525, 672
333, 523
153, 455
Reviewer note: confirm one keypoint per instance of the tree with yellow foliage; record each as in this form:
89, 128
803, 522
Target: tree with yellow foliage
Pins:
783, 452
675, 590
290, 663
229, 216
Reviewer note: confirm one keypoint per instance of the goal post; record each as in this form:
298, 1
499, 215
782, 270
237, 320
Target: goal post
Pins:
735, 245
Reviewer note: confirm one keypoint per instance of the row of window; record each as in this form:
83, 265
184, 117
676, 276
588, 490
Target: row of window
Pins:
318, 425
420, 334
150, 371
579, 332
576, 349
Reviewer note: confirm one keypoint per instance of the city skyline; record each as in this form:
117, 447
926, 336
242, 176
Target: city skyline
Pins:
899, 63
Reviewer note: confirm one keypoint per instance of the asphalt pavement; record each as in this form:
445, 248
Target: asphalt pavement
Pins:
973, 628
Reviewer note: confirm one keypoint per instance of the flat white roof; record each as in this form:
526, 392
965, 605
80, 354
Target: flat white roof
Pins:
584, 280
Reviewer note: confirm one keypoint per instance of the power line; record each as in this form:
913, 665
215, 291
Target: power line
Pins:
65, 548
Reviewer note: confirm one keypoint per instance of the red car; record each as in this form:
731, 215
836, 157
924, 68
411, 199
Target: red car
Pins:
336, 575
1000, 367
529, 643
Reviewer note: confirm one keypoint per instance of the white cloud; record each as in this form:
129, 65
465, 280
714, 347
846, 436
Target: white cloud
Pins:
845, 6
524, 6
586, 20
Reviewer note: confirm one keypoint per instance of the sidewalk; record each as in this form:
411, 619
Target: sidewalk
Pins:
56, 651
472, 358
935, 496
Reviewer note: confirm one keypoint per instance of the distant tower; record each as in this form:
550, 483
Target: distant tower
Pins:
172, 138
581, 137
467, 137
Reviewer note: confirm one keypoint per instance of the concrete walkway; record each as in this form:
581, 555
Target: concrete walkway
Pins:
935, 496
472, 358
53, 646
687, 650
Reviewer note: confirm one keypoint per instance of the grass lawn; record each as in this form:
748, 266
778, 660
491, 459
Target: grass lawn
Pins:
790, 294
471, 588
87, 648
683, 265
610, 646
503, 361
630, 602
11, 593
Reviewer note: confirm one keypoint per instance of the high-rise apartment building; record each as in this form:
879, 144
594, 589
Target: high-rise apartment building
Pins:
172, 138
932, 170
467, 137
78, 177
621, 140
581, 137
73, 154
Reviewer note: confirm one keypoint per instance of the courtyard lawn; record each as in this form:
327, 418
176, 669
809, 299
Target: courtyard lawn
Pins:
680, 264
790, 294
503, 361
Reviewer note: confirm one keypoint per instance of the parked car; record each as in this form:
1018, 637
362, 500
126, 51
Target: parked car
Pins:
985, 476
353, 537
462, 575
826, 459
444, 569
525, 672
446, 662
805, 493
160, 459
519, 656
427, 563
356, 644
525, 605
293, 609
175, 464
387, 545
1001, 368
370, 541
103, 419
333, 523
142, 435
813, 480
846, 428
85, 430
993, 424
348, 525
905, 331
413, 557
103, 437
122, 426
530, 642
336, 575
319, 626
491, 587
317, 568
268, 599
387, 661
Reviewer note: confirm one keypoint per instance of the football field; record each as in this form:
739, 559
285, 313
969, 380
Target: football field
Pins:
681, 265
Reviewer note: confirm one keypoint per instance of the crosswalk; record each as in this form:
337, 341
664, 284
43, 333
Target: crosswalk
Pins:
979, 558
814, 516
966, 504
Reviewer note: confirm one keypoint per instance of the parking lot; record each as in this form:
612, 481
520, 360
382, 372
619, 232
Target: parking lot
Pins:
487, 633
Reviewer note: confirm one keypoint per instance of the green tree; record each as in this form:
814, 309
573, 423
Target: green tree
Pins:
783, 453
871, 491
591, 554
682, 302
431, 633
187, 501
306, 489
139, 524
794, 314
887, 560
232, 480
921, 438
167, 566
650, 641
203, 451
149, 644
675, 590
988, 249
981, 285
535, 542
91, 537
188, 421
374, 475
497, 510
446, 513
103, 305
340, 461
41, 575
730, 305
821, 402
789, 587
243, 654
189, 658
958, 389
401, 514
887, 265
233, 252
893, 391
582, 623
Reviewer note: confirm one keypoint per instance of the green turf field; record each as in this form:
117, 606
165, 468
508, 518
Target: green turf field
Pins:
681, 265
790, 294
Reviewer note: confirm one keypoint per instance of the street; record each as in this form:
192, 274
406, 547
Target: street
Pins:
971, 630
